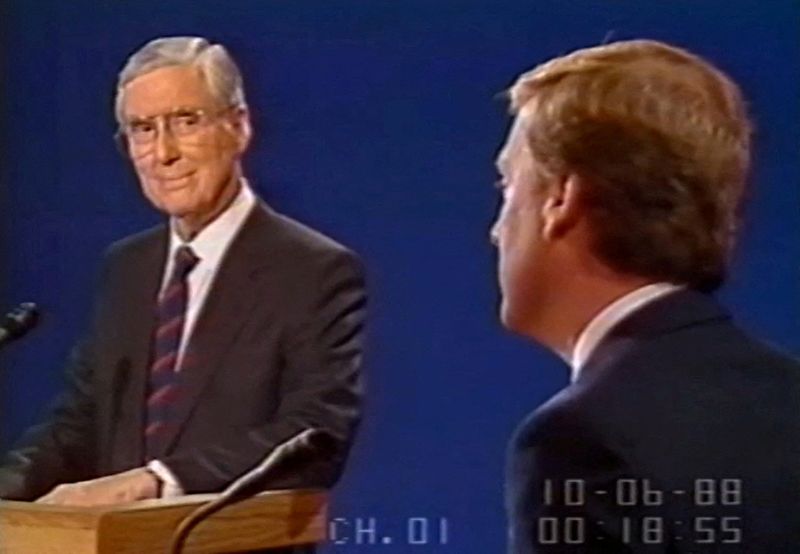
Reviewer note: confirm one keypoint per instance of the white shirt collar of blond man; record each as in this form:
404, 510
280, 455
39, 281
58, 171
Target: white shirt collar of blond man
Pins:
601, 324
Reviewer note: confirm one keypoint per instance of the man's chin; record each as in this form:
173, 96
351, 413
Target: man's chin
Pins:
519, 321
175, 205
175, 212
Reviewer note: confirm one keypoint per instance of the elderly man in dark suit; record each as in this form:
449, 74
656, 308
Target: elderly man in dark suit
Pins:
214, 337
622, 178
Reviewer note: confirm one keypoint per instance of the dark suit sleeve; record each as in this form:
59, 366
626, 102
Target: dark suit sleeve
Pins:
559, 450
63, 449
60, 450
320, 388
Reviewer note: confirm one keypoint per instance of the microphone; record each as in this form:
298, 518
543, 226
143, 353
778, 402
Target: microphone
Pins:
18, 322
310, 441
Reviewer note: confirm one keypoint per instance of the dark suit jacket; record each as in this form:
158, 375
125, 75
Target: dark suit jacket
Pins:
277, 349
676, 398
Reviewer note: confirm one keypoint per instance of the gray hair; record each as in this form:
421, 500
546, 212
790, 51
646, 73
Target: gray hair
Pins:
218, 68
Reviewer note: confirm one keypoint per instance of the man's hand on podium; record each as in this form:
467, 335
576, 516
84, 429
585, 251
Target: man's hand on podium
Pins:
136, 484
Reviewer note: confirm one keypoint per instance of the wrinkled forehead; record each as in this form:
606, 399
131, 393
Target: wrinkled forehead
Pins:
515, 146
165, 89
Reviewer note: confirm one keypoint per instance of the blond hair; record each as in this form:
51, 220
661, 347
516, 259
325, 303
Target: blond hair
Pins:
663, 140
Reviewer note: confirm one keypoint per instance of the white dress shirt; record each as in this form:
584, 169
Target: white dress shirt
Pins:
210, 246
601, 324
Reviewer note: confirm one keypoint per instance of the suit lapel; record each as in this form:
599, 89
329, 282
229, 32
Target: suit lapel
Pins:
226, 308
139, 314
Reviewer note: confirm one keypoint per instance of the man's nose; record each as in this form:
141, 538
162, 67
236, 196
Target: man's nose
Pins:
166, 147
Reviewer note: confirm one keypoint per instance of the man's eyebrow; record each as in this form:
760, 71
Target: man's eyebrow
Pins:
136, 117
136, 120
186, 109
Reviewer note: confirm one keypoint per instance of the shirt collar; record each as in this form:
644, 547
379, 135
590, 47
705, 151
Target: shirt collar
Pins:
601, 324
212, 241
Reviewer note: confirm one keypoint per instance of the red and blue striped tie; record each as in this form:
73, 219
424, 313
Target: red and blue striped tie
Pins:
164, 381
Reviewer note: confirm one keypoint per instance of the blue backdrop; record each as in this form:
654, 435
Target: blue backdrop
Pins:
377, 122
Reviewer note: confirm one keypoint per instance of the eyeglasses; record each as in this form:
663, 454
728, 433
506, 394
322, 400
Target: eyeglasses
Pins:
181, 123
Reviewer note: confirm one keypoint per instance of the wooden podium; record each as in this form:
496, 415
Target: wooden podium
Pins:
272, 519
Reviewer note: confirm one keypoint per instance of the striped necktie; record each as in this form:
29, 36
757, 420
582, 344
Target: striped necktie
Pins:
164, 383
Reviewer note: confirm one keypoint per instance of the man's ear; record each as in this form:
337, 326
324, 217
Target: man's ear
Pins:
121, 142
239, 123
562, 208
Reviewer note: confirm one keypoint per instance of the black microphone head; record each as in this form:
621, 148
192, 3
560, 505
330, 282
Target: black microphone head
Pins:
21, 320
285, 460
319, 441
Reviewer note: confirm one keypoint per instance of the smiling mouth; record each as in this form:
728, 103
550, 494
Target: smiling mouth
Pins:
171, 183
178, 178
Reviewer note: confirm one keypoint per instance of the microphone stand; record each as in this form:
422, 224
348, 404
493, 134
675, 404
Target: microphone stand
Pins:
308, 440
